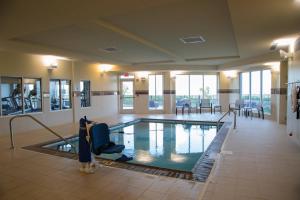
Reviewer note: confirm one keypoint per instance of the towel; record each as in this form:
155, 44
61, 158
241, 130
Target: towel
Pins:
294, 100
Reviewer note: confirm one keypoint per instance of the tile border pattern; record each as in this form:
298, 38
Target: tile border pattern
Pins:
226, 91
281, 91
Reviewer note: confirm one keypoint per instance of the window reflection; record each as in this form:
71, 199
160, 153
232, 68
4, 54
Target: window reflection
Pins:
193, 138
196, 141
156, 139
128, 139
32, 95
55, 95
11, 96
66, 94
182, 139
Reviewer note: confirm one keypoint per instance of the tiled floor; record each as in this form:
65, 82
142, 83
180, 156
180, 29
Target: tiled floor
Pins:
264, 165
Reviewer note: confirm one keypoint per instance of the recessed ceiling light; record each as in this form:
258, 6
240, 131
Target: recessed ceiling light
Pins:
192, 39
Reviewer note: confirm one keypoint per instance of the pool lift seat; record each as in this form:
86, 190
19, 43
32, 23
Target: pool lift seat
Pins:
100, 142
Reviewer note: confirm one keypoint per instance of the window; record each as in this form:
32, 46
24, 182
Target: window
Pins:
60, 94
11, 96
19, 98
156, 92
85, 93
256, 88
32, 95
196, 87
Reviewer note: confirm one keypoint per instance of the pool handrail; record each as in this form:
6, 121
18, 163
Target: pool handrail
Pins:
228, 112
12, 146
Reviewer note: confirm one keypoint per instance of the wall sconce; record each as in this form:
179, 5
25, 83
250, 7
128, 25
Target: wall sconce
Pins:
142, 75
174, 73
274, 65
230, 74
103, 68
50, 62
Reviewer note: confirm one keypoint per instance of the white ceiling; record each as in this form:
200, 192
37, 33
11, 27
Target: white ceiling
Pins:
146, 33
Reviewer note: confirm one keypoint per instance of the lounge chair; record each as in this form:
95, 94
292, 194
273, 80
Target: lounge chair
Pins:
182, 104
260, 111
238, 105
100, 141
205, 103
153, 104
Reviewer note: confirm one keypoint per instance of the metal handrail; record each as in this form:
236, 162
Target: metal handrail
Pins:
40, 123
228, 112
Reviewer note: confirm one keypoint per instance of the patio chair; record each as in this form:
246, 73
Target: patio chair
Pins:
205, 103
238, 105
260, 110
153, 104
183, 104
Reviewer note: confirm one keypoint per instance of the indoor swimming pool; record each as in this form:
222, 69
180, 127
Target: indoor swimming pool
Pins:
165, 144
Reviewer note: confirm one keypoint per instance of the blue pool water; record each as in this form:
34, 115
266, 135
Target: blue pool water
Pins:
166, 145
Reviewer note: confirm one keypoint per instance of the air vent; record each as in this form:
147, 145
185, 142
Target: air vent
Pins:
192, 40
110, 49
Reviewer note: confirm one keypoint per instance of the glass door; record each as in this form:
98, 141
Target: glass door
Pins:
127, 96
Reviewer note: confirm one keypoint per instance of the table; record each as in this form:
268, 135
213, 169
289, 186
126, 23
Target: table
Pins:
217, 107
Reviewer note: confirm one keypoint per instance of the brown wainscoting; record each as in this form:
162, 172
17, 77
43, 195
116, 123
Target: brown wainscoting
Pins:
169, 92
141, 92
146, 92
104, 93
76, 93
228, 91
281, 91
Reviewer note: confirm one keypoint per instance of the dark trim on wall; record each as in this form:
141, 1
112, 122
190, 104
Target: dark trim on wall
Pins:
141, 92
146, 92
104, 93
281, 91
76, 94
169, 92
229, 91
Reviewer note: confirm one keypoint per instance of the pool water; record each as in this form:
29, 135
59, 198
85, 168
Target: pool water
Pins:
165, 145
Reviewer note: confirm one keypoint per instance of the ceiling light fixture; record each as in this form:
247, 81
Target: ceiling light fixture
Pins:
274, 65
105, 67
230, 74
50, 62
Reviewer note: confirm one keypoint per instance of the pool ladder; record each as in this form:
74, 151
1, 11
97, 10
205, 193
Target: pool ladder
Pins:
12, 146
227, 113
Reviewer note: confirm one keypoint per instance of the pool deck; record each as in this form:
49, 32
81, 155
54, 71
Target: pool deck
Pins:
259, 161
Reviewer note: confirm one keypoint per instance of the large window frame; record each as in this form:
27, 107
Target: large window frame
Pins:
156, 101
195, 99
250, 98
26, 104
63, 103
